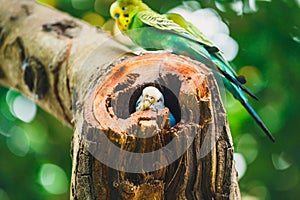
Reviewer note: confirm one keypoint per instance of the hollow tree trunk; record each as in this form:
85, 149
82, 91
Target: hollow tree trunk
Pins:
81, 76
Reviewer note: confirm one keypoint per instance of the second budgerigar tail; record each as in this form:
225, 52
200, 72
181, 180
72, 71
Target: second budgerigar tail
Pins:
257, 119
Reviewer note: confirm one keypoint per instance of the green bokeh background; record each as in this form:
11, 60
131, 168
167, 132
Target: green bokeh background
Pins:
269, 56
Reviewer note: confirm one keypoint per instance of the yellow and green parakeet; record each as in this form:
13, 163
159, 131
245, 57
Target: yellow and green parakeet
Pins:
153, 31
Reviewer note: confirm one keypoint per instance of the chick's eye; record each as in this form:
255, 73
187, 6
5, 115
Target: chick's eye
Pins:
123, 8
117, 15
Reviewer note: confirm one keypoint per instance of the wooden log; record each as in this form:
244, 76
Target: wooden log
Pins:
136, 155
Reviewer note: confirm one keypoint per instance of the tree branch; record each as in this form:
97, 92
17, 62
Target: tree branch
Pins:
42, 50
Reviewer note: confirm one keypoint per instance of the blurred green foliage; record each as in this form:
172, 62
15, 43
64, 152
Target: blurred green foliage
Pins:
27, 148
268, 34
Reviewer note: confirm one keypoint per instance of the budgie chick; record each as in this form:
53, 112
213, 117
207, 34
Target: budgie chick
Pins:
172, 32
152, 99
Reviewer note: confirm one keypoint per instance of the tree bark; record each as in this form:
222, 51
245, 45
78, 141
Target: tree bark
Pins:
83, 77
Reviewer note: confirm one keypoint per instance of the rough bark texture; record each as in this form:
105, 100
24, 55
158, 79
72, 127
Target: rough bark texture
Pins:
84, 78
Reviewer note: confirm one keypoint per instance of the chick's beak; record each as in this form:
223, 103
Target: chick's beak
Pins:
146, 104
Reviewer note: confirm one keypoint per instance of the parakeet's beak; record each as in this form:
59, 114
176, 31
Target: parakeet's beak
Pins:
147, 104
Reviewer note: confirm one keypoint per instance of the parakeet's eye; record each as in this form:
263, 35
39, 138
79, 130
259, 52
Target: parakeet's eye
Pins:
117, 15
123, 8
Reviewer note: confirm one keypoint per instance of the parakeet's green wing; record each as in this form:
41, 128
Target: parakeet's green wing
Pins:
178, 25
230, 75
178, 19
162, 22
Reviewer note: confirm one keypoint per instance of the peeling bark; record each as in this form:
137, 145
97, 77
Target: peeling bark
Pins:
82, 77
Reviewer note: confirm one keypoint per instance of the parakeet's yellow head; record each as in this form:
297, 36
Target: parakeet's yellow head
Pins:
123, 12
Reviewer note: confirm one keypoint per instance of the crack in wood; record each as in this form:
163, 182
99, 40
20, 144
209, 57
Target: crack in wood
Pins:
15, 50
3, 35
108, 106
27, 9
29, 75
35, 76
2, 74
56, 70
66, 28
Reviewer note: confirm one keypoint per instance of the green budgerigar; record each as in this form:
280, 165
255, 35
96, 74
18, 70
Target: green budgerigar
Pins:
172, 32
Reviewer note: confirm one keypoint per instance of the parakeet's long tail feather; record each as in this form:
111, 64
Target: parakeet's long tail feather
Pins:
255, 116
238, 83
217, 62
